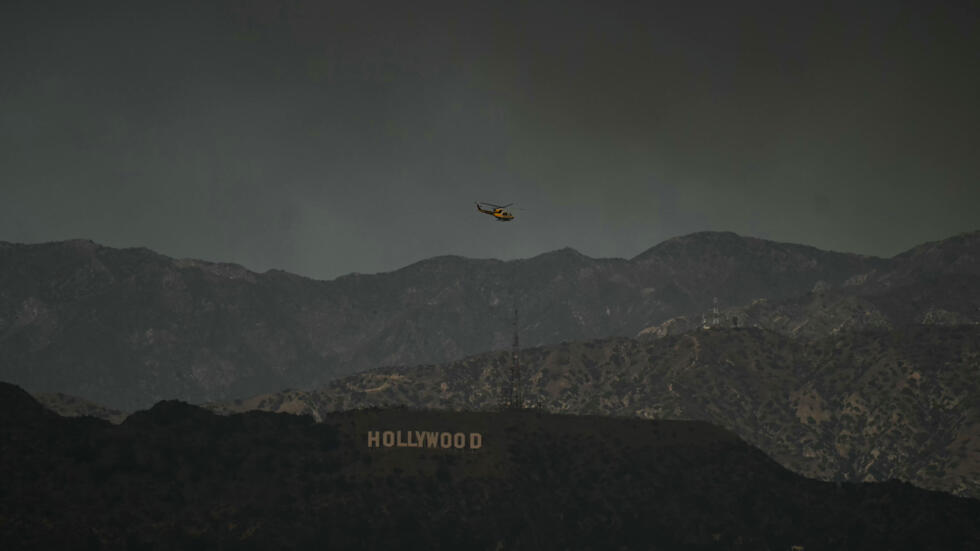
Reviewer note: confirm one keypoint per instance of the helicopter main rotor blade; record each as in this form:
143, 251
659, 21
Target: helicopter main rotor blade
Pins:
498, 206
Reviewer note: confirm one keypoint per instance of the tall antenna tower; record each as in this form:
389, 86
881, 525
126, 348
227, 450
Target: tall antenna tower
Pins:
715, 321
516, 391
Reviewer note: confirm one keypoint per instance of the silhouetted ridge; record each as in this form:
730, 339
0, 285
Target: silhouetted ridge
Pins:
693, 242
968, 241
17, 407
171, 413
564, 252
959, 254
530, 481
694, 247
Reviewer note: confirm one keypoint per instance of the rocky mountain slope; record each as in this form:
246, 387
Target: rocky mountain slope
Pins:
178, 477
934, 284
858, 406
938, 300
66, 405
128, 327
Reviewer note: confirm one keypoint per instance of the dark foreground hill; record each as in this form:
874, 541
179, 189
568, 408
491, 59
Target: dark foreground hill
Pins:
179, 477
859, 406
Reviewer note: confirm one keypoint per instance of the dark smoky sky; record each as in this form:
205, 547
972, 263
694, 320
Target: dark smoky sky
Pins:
331, 137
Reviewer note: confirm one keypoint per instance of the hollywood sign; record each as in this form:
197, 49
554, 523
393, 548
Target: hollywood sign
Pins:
424, 439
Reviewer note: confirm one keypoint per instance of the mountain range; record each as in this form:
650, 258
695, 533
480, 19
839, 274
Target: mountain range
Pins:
129, 327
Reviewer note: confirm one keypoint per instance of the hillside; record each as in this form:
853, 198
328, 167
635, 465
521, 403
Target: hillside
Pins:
176, 476
937, 300
73, 406
129, 327
934, 284
859, 406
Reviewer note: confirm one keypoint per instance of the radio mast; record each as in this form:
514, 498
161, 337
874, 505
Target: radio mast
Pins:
516, 392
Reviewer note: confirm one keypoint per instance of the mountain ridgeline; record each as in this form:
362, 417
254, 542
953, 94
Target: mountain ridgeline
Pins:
932, 284
129, 327
179, 477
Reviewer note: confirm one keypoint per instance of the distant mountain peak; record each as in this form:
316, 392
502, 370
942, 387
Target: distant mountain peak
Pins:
729, 243
562, 252
967, 240
959, 254
699, 242
441, 262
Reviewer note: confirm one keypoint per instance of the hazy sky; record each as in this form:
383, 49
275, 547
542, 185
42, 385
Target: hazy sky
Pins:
330, 137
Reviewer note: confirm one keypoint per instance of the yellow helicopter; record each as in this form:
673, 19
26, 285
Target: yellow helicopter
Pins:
497, 211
